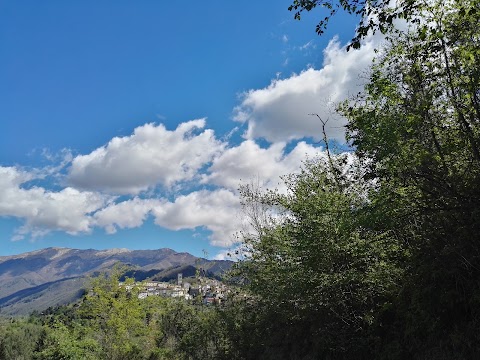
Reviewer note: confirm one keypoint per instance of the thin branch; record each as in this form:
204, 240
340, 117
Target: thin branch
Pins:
325, 139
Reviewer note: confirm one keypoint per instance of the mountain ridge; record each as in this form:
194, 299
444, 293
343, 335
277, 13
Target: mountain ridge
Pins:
56, 275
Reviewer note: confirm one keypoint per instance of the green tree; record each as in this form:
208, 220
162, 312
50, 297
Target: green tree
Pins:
317, 261
117, 316
418, 124
73, 342
393, 265
194, 332
18, 338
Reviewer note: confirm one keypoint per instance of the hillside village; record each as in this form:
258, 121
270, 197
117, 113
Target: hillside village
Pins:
208, 291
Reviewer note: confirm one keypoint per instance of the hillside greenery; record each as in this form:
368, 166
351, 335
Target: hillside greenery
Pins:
373, 254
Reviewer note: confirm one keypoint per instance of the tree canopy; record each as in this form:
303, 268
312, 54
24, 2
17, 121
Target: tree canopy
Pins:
390, 257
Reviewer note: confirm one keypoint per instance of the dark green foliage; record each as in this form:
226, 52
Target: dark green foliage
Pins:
391, 271
419, 124
194, 332
320, 273
18, 338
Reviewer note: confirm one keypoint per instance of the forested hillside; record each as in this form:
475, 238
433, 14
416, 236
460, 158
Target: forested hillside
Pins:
374, 254
57, 276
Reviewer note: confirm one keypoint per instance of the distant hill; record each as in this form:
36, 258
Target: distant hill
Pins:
55, 276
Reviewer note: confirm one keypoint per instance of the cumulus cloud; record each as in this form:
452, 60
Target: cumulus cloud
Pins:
279, 112
67, 210
125, 215
248, 161
217, 211
226, 254
151, 156
74, 211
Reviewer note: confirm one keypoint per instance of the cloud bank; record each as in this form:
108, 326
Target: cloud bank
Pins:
151, 156
280, 111
248, 161
68, 210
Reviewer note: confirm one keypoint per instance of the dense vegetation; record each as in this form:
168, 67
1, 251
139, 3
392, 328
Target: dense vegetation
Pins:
372, 255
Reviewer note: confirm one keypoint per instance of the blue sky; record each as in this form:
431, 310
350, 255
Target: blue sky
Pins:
131, 124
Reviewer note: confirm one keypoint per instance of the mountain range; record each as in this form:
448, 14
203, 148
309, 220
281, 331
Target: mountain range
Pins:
55, 276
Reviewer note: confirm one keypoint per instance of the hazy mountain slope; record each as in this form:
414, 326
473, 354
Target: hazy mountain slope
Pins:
43, 296
52, 276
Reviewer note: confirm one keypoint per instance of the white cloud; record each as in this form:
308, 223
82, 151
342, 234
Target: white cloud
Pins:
226, 254
308, 45
236, 253
217, 211
280, 111
126, 214
248, 161
152, 155
223, 255
67, 210
76, 211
